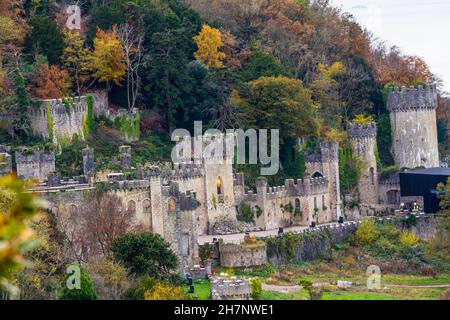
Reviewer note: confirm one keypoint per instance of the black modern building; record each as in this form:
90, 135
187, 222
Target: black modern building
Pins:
423, 183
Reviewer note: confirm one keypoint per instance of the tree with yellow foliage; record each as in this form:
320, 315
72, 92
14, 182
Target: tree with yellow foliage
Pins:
362, 119
108, 62
209, 41
17, 210
163, 291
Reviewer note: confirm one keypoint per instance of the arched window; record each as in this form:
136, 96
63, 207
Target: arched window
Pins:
372, 176
315, 203
219, 186
132, 206
297, 204
172, 205
317, 174
323, 201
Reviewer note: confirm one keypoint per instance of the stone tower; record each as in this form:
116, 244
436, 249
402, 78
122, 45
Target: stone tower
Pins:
325, 162
364, 142
330, 163
414, 130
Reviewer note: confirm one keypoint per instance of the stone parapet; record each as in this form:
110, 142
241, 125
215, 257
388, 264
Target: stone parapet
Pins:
402, 99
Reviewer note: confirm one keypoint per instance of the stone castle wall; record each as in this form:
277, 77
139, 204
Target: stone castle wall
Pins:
308, 200
60, 120
312, 244
35, 164
414, 129
242, 255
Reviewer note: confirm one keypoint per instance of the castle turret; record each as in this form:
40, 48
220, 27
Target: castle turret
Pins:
414, 130
364, 140
325, 162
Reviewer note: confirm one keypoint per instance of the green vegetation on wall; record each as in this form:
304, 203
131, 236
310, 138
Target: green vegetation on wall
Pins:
350, 169
245, 213
90, 115
68, 103
49, 121
129, 126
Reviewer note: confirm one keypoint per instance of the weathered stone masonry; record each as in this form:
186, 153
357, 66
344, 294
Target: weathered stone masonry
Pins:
414, 130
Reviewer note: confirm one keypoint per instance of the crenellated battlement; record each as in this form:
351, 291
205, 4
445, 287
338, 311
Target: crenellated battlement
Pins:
34, 164
328, 152
302, 187
61, 119
403, 99
359, 130
230, 289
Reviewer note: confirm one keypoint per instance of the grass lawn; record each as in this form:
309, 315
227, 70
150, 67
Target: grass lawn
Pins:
386, 279
352, 295
393, 293
202, 289
272, 295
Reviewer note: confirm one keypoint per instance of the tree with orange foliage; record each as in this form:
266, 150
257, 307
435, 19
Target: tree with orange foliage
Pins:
50, 83
108, 61
391, 66
209, 41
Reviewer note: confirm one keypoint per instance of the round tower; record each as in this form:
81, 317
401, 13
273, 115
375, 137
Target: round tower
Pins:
414, 130
364, 142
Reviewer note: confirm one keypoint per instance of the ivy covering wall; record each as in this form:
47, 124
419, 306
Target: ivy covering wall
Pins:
129, 126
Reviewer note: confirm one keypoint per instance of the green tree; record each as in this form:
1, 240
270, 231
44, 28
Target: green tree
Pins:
45, 38
262, 64
144, 254
139, 287
384, 139
85, 292
169, 30
256, 287
21, 123
279, 103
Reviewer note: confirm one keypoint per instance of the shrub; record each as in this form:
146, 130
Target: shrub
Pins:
245, 213
145, 253
314, 293
139, 288
382, 247
409, 238
205, 252
256, 287
85, 292
109, 278
389, 231
165, 291
366, 233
